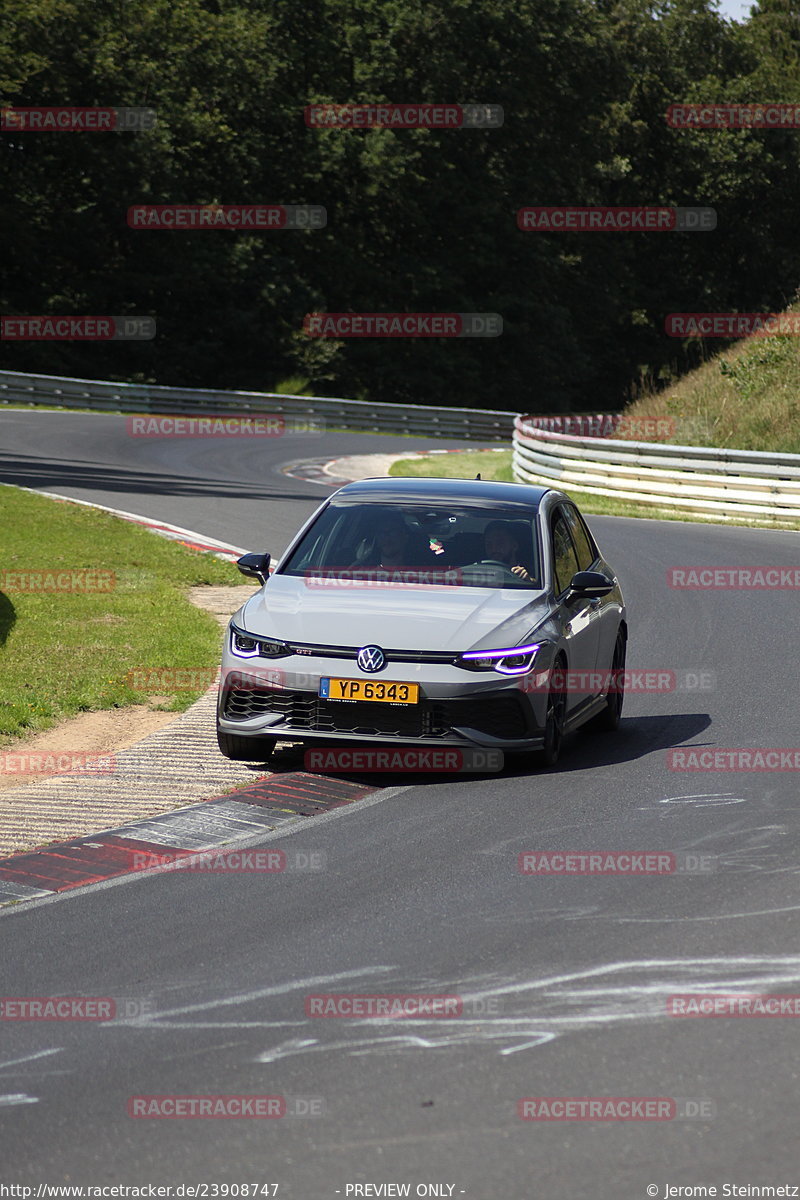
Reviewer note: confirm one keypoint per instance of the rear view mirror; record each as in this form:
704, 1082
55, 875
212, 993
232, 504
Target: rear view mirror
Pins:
254, 566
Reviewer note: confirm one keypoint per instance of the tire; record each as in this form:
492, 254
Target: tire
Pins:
608, 719
245, 749
550, 753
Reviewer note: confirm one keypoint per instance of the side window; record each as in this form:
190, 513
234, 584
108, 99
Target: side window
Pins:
580, 536
565, 560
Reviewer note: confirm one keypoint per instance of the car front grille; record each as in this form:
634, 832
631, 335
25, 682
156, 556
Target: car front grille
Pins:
500, 716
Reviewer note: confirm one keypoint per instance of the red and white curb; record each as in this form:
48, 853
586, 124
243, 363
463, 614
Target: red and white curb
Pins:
220, 823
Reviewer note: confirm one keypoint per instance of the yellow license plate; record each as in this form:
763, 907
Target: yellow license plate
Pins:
386, 690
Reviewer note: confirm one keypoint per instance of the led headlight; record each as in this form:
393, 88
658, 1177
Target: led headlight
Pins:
245, 646
514, 660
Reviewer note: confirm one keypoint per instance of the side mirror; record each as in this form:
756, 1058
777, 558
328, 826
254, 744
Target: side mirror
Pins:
254, 566
589, 584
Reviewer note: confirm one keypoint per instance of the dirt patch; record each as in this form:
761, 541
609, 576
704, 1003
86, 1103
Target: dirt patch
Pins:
90, 733
222, 602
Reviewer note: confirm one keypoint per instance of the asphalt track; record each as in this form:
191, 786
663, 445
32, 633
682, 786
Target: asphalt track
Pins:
564, 980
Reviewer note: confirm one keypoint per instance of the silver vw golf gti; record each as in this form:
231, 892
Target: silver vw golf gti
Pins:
427, 612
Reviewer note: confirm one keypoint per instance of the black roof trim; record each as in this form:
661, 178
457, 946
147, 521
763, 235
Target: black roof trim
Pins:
413, 489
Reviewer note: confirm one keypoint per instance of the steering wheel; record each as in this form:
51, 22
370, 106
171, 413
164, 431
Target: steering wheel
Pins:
492, 562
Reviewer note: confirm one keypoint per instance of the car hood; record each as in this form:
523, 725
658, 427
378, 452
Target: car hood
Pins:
394, 616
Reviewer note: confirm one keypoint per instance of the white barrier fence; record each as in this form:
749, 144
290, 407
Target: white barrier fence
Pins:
468, 423
709, 483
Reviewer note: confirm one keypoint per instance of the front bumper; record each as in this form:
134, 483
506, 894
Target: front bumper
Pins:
456, 708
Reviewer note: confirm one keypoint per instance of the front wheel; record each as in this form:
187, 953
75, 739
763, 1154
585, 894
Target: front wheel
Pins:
608, 718
549, 755
245, 749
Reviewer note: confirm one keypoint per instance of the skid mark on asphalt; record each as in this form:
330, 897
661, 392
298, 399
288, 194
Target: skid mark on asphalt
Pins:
14, 1062
553, 1006
756, 912
408, 1041
703, 799
280, 989
509, 1016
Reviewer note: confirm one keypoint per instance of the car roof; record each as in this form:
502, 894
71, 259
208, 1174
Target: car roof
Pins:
398, 490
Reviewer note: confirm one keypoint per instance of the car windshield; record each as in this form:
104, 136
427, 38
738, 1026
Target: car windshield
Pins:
461, 545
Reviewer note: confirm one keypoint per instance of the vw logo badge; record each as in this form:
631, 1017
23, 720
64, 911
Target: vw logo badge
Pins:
371, 658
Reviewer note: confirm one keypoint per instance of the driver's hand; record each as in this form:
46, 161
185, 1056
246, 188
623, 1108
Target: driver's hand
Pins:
523, 574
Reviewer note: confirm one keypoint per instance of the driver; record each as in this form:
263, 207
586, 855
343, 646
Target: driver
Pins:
502, 545
392, 546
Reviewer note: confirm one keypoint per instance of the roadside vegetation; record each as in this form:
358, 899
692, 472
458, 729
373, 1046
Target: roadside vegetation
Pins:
418, 219
746, 398
71, 651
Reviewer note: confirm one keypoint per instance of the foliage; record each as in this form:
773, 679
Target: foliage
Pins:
418, 220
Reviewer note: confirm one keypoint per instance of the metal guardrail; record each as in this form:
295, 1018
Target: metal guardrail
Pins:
470, 424
705, 481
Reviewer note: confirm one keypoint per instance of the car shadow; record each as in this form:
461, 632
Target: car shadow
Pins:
637, 736
584, 750
8, 617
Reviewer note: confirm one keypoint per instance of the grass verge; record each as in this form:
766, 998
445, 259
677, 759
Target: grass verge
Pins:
496, 464
745, 398
69, 651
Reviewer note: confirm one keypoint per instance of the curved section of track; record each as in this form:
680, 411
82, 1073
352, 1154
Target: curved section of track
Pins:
563, 980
